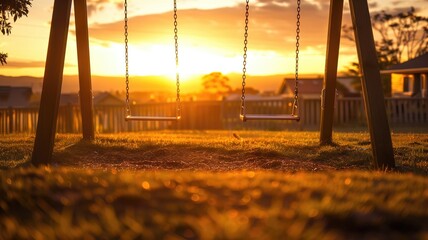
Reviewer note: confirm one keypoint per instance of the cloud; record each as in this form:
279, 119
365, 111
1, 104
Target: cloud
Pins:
94, 6
272, 26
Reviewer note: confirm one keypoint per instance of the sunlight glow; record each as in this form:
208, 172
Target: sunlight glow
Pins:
159, 60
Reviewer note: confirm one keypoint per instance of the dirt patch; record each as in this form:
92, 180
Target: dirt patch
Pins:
182, 158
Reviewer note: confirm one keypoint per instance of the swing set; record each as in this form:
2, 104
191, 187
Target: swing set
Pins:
130, 117
293, 116
372, 89
243, 115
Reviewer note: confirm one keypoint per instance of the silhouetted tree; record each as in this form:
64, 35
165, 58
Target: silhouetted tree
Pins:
401, 36
216, 82
11, 9
3, 57
248, 90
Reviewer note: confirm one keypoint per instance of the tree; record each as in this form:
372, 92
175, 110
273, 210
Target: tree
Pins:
216, 82
401, 36
3, 57
11, 9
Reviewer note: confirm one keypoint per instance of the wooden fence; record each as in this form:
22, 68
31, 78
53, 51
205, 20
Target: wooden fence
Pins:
205, 115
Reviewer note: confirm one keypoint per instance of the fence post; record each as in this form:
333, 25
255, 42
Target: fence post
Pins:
222, 112
302, 123
10, 117
69, 118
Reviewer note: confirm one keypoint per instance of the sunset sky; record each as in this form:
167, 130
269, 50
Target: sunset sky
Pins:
210, 37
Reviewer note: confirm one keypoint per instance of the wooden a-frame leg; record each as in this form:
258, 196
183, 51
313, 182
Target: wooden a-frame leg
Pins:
51, 91
83, 57
372, 88
330, 75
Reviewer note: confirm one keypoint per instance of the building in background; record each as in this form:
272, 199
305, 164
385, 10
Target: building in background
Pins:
17, 97
409, 79
312, 87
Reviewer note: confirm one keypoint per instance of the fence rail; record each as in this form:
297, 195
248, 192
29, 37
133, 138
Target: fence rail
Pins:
215, 115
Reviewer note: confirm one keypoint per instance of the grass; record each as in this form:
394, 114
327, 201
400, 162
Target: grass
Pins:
214, 185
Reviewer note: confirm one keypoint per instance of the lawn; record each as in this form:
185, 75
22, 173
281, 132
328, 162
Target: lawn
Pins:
214, 185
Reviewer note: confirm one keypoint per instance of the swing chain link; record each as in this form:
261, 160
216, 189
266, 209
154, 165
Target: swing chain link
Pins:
296, 86
178, 100
177, 66
244, 68
128, 108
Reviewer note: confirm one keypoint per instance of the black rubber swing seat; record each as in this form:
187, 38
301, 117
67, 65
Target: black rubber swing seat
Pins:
269, 117
151, 118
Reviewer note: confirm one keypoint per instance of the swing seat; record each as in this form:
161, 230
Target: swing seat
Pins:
245, 117
151, 118
130, 117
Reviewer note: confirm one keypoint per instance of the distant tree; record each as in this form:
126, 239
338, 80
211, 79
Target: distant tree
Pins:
216, 82
248, 90
3, 57
402, 36
11, 9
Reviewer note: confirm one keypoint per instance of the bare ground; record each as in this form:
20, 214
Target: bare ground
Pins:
179, 158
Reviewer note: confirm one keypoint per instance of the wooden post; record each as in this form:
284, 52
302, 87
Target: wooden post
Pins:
417, 85
372, 88
69, 118
51, 91
11, 122
425, 85
85, 93
330, 75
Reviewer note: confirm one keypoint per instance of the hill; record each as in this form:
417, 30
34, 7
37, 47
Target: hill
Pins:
99, 83
145, 83
22, 81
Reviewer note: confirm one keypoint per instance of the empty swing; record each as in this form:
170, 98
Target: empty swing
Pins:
129, 116
294, 112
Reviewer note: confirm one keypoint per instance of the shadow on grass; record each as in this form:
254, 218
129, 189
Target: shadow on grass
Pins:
193, 152
195, 157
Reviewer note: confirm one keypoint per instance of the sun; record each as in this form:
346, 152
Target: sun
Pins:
201, 61
159, 60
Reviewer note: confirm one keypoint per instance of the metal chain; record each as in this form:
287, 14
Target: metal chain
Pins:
296, 86
177, 72
128, 108
244, 68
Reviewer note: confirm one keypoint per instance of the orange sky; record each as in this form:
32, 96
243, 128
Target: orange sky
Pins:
210, 37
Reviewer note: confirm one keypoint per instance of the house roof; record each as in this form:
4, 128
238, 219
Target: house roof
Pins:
306, 86
69, 99
415, 65
100, 98
106, 98
251, 97
15, 96
314, 86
